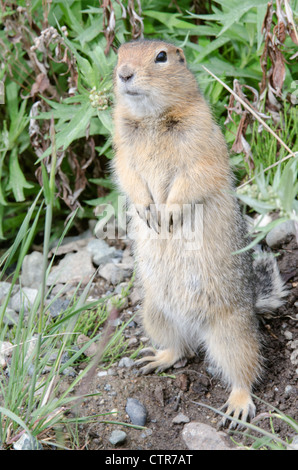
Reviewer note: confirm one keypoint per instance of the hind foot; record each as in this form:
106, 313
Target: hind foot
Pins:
239, 406
161, 360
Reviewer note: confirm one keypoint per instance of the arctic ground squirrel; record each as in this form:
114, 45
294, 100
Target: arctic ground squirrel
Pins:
171, 158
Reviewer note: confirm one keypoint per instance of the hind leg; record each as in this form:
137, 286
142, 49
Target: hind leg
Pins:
163, 333
233, 347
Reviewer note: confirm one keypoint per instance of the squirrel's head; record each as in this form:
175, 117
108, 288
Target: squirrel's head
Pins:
152, 77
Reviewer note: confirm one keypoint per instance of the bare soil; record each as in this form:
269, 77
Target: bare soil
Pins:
181, 389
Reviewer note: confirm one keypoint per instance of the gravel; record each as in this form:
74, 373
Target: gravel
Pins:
136, 411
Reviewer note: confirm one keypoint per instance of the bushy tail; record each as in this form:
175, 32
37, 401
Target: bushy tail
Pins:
270, 288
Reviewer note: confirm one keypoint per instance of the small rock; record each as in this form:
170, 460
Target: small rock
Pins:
126, 362
199, 436
73, 268
294, 357
117, 437
294, 344
25, 297
294, 444
69, 372
133, 341
27, 442
180, 418
262, 220
32, 269
136, 411
123, 286
146, 433
10, 317
58, 306
288, 390
112, 371
91, 350
101, 252
53, 357
5, 352
114, 273
4, 289
129, 262
288, 335
136, 296
144, 339
102, 373
182, 382
280, 234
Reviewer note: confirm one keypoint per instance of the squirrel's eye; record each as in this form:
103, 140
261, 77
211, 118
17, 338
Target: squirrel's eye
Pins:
161, 57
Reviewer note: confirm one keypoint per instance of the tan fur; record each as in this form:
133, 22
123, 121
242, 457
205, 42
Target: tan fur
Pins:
169, 151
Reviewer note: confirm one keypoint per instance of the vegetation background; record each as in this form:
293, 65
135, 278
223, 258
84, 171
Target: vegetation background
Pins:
56, 65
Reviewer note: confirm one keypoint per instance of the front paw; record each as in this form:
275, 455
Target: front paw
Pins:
172, 218
150, 215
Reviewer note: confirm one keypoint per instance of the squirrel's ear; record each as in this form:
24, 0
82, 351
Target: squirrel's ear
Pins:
180, 55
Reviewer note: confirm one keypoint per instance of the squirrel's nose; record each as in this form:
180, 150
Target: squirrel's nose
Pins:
125, 74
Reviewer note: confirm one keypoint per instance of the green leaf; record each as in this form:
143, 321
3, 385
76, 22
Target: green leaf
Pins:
221, 68
106, 119
287, 189
11, 90
74, 129
92, 32
232, 12
171, 20
211, 47
15, 418
17, 181
259, 206
71, 17
105, 182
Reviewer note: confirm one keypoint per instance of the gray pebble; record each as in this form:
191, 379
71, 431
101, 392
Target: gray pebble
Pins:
27, 442
294, 444
288, 335
32, 269
25, 297
53, 356
100, 251
280, 234
69, 371
117, 437
199, 436
288, 390
102, 373
146, 433
126, 362
58, 306
114, 273
4, 289
10, 317
180, 418
136, 411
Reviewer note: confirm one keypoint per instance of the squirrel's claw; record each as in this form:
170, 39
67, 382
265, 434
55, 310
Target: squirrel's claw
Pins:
239, 407
162, 360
